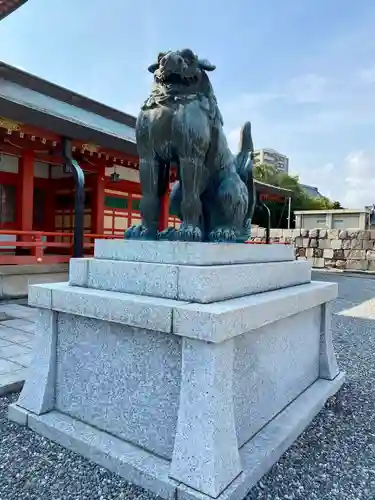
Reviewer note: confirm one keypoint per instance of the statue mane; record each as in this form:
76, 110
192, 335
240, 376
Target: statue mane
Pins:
172, 96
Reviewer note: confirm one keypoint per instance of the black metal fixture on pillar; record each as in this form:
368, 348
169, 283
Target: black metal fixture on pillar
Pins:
263, 206
71, 166
114, 175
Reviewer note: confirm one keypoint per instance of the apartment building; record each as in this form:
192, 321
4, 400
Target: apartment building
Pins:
271, 157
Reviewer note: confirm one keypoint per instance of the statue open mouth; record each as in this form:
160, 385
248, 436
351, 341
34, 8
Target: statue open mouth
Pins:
176, 79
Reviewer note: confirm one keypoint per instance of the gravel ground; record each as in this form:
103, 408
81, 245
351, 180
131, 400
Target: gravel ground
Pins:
333, 459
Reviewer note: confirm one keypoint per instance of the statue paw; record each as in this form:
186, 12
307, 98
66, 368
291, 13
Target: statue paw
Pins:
189, 233
169, 234
222, 234
139, 233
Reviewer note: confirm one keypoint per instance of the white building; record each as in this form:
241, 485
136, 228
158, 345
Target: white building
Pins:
333, 219
271, 157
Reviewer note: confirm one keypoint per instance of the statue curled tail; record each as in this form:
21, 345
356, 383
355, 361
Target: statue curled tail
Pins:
244, 167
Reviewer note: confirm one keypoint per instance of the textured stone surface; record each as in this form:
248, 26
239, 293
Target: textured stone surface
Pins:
336, 244
78, 272
264, 359
17, 414
342, 451
127, 460
38, 393
205, 455
328, 253
133, 310
222, 320
198, 254
328, 368
151, 472
158, 280
215, 283
347, 246
196, 283
261, 452
40, 296
120, 379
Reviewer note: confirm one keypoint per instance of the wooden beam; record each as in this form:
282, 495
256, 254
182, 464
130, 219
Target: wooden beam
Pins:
98, 202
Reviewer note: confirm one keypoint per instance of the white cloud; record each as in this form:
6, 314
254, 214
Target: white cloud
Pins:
351, 181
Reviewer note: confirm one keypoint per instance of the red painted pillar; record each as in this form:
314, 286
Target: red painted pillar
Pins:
164, 212
97, 209
26, 174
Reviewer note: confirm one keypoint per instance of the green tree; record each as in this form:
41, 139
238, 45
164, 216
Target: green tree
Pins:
300, 199
337, 205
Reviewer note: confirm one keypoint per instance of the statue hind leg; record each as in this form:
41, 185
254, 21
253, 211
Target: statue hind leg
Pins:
228, 210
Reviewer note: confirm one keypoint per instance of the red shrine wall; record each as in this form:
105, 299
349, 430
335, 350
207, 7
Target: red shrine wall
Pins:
53, 199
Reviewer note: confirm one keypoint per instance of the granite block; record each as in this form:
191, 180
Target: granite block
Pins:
222, 320
328, 368
140, 278
17, 414
205, 455
215, 283
202, 284
78, 272
41, 295
120, 379
133, 310
264, 358
128, 461
38, 393
189, 253
266, 447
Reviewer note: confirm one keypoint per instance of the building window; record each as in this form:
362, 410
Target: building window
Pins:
136, 203
116, 202
7, 204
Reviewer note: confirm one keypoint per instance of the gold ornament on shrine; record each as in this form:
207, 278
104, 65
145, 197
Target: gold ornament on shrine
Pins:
91, 148
10, 125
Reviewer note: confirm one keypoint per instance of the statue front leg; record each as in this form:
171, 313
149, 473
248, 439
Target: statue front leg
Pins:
192, 174
149, 172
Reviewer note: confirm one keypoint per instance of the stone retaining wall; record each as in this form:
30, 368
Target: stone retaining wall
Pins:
328, 248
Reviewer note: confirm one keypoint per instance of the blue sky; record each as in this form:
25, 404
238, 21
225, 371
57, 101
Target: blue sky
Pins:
303, 71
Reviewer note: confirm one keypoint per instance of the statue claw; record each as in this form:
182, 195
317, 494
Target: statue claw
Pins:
140, 233
189, 232
222, 234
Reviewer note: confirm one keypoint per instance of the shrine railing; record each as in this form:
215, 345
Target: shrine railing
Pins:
42, 247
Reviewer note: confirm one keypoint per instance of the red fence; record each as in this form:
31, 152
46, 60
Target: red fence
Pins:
42, 247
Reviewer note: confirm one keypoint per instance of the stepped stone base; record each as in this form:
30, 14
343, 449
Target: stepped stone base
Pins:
188, 374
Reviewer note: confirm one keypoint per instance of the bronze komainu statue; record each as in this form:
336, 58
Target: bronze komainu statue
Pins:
181, 123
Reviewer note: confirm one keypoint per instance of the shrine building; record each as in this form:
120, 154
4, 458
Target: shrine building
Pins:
37, 193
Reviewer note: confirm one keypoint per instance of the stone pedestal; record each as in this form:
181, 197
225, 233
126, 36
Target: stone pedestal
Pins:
186, 368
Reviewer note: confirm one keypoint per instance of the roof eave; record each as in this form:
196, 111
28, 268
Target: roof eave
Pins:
65, 128
272, 190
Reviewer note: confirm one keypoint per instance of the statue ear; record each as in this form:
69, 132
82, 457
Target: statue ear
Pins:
153, 67
206, 65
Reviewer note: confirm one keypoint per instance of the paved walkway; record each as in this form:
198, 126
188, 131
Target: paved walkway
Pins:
17, 324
